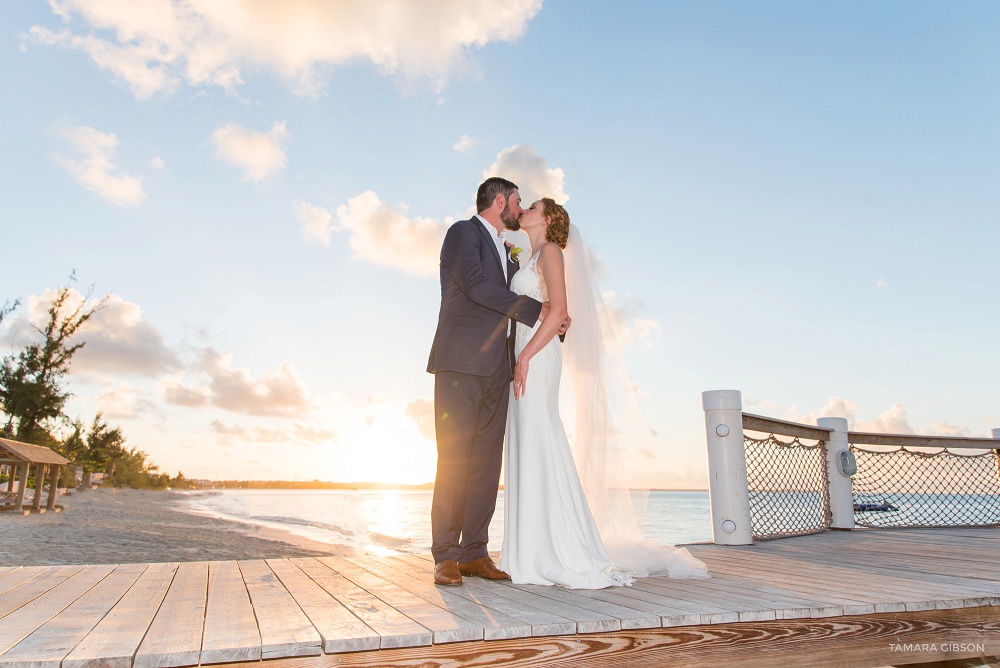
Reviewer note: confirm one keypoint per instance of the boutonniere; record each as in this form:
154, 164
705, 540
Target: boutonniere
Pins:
514, 251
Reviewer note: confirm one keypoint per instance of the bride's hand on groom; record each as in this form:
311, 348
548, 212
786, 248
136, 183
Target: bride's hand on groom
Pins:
563, 328
520, 377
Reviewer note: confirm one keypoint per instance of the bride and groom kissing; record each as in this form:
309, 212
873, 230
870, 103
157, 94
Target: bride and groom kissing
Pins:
497, 362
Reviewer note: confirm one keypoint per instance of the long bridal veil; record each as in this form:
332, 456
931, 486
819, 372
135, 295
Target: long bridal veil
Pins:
602, 418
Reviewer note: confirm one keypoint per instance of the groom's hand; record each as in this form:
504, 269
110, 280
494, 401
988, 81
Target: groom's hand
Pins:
564, 328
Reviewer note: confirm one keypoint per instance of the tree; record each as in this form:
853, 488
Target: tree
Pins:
104, 445
74, 449
32, 394
133, 469
8, 308
33, 398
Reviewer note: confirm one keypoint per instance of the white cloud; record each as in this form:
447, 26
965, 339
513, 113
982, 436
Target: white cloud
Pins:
125, 402
96, 170
118, 339
835, 407
894, 420
258, 154
158, 164
629, 324
385, 236
465, 144
298, 434
138, 65
881, 283
278, 393
421, 411
891, 421
530, 171
939, 428
155, 46
174, 392
316, 227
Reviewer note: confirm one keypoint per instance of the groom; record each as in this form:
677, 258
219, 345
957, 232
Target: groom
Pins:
471, 360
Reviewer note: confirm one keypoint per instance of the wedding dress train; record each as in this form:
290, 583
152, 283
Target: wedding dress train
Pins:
551, 536
549, 532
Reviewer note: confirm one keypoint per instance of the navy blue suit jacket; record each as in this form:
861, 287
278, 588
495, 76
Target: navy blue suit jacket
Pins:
476, 303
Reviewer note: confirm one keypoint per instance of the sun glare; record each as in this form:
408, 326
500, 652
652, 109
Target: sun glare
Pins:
384, 447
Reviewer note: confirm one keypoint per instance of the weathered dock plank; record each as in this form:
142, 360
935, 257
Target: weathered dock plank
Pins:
394, 628
496, 624
15, 577
49, 644
174, 636
23, 621
650, 603
231, 632
852, 550
114, 640
675, 610
628, 617
855, 600
442, 623
284, 629
587, 620
906, 556
340, 629
540, 621
885, 592
864, 640
753, 607
28, 585
882, 564
833, 573
838, 593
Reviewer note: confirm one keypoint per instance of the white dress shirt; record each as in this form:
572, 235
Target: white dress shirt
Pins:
501, 245
500, 242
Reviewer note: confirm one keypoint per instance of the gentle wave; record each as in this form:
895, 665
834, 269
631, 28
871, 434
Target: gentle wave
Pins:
390, 521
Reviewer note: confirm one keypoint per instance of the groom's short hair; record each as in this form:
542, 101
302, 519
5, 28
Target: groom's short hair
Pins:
489, 190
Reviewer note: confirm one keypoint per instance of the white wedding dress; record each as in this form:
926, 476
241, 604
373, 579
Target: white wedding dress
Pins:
551, 536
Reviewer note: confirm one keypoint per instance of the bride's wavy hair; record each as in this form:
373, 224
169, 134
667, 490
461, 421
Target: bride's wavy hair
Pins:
558, 230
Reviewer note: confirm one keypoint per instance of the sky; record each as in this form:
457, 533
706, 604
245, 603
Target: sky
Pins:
794, 200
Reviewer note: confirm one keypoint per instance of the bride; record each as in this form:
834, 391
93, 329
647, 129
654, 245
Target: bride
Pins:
569, 519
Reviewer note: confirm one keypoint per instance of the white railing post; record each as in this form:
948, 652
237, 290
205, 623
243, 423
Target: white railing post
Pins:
841, 492
727, 467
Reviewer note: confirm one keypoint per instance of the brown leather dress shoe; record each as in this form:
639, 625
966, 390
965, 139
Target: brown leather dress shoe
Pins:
483, 567
447, 573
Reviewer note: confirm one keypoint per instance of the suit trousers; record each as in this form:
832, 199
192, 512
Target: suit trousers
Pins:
470, 417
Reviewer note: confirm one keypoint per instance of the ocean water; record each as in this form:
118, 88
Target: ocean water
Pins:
391, 521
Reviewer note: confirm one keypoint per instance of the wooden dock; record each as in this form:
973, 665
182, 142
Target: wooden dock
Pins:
860, 598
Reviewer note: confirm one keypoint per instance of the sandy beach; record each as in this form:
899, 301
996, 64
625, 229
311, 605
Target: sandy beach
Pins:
134, 526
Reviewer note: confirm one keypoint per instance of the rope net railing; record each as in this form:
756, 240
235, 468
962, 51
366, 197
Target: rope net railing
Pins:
905, 486
788, 485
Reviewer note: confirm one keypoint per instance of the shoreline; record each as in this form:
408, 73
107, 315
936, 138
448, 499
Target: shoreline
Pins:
116, 526
268, 533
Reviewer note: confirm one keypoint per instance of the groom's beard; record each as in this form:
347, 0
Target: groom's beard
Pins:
509, 220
